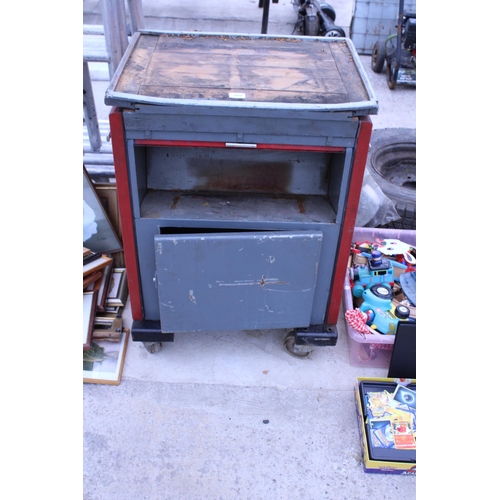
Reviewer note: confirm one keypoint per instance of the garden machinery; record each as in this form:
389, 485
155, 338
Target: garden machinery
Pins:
399, 50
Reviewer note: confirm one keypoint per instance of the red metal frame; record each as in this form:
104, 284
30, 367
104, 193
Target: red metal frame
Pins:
125, 209
354, 194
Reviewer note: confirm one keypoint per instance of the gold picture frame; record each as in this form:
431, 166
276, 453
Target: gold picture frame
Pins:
118, 288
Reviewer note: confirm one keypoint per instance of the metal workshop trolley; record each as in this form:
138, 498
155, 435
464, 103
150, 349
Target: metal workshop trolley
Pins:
239, 163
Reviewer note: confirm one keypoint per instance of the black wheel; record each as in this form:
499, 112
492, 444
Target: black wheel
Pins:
392, 75
337, 31
290, 348
402, 312
311, 26
378, 57
329, 11
392, 163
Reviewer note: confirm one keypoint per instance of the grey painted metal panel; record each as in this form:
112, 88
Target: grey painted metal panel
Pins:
242, 281
146, 229
339, 185
255, 112
227, 125
137, 173
375, 20
232, 125
238, 170
244, 139
204, 209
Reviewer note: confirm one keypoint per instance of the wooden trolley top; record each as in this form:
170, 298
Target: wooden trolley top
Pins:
258, 71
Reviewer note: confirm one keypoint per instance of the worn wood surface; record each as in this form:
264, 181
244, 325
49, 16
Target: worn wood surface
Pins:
215, 67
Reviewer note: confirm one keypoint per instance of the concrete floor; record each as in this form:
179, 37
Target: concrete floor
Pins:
231, 415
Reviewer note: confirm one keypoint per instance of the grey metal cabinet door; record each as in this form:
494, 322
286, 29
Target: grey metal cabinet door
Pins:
236, 280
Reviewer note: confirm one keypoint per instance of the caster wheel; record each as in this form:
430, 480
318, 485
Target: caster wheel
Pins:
152, 347
301, 351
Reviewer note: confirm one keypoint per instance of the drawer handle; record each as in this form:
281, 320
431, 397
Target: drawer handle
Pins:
240, 145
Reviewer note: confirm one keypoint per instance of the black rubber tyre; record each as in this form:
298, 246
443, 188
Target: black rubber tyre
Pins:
311, 26
378, 57
335, 32
402, 312
392, 76
329, 11
392, 163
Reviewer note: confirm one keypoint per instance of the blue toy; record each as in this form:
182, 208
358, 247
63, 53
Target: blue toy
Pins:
381, 313
378, 270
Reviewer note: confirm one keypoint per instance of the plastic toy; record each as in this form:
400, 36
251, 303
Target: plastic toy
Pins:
357, 320
378, 270
381, 313
403, 252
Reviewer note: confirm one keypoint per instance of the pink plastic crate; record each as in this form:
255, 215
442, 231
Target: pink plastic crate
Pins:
373, 350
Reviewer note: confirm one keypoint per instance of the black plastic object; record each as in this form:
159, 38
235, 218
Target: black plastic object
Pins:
149, 331
402, 312
317, 335
403, 362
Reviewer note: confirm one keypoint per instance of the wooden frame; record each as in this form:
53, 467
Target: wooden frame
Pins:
114, 310
107, 328
118, 288
109, 199
97, 265
98, 232
102, 292
92, 281
103, 364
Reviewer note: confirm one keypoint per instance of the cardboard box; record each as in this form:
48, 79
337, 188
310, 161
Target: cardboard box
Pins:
379, 466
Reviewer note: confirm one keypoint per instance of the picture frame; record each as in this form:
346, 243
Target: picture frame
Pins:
97, 265
103, 364
92, 281
108, 197
118, 288
114, 310
109, 328
89, 309
99, 234
102, 291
